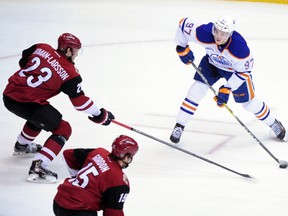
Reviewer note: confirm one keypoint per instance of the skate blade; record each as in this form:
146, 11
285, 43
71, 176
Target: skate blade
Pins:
36, 179
23, 154
285, 138
272, 135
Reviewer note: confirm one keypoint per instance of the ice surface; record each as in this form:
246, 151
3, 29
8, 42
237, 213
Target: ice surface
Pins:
130, 67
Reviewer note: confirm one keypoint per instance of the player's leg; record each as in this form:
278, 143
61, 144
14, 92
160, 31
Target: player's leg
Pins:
24, 143
49, 119
196, 93
261, 110
30, 131
245, 94
40, 117
188, 107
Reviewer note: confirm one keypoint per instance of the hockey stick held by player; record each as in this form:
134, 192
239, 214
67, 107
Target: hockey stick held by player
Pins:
97, 181
179, 149
282, 164
227, 56
185, 54
104, 118
223, 96
44, 73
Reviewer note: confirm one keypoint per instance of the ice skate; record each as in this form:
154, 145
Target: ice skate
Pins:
26, 149
279, 130
39, 174
177, 133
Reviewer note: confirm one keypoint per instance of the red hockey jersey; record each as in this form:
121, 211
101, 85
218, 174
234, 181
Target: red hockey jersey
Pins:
100, 184
44, 73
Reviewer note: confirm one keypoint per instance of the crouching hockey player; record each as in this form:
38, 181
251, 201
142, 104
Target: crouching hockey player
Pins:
227, 56
97, 181
44, 73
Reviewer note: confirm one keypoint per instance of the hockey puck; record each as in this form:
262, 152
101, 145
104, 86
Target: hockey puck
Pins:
283, 166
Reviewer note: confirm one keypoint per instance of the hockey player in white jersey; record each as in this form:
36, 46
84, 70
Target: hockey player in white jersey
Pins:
227, 56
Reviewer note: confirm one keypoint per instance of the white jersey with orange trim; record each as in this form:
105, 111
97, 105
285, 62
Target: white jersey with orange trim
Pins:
234, 56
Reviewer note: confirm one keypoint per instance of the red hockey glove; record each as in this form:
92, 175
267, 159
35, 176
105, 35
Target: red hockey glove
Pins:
223, 96
185, 54
104, 118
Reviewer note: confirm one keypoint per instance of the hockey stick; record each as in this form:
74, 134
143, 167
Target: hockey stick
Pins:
180, 149
283, 164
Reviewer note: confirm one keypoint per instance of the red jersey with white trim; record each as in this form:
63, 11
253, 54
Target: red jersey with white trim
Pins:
44, 73
100, 184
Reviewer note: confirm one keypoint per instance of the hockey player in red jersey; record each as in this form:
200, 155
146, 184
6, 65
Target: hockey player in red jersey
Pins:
227, 56
45, 72
97, 181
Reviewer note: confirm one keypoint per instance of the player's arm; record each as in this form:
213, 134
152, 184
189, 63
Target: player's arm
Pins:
234, 82
237, 79
25, 55
184, 34
85, 104
242, 66
114, 199
75, 159
78, 98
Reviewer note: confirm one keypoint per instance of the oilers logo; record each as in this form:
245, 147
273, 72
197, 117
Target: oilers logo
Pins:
220, 60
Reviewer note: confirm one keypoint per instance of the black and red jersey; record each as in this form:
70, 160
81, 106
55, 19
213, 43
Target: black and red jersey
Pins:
44, 73
100, 184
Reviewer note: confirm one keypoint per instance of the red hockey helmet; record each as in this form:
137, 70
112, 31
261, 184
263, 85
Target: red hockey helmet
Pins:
68, 40
123, 145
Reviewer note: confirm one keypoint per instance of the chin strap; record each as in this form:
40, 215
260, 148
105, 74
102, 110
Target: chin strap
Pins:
124, 165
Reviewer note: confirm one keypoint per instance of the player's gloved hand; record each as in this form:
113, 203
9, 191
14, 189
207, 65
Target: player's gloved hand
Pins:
104, 118
223, 96
185, 54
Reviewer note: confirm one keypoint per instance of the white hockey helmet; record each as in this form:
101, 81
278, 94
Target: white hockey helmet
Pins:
224, 24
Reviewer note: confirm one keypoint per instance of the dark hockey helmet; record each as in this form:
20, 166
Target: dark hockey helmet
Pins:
123, 145
68, 40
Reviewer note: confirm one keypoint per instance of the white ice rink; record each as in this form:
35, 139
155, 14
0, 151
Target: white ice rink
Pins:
129, 66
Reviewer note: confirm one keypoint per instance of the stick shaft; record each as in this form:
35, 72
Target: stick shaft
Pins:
231, 112
180, 149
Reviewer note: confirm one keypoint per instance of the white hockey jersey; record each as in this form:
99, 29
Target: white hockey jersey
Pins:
234, 56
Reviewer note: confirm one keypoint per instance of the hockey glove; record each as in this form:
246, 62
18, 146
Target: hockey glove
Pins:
185, 54
104, 118
223, 96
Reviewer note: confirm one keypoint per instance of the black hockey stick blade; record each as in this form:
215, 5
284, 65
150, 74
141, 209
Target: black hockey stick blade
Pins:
182, 150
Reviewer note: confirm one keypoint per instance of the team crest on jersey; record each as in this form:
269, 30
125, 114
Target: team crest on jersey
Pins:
220, 59
125, 179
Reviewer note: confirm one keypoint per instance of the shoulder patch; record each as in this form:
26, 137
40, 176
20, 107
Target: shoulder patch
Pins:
114, 197
238, 46
204, 33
